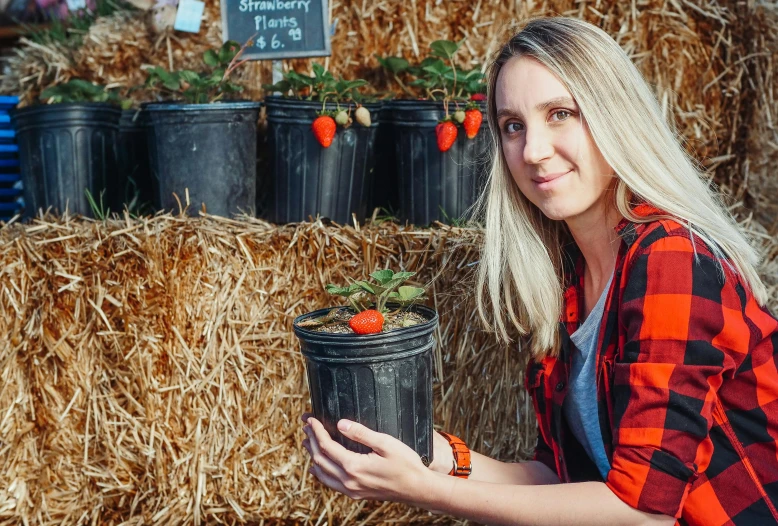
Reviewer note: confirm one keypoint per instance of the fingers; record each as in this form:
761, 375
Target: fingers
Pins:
364, 435
305, 417
327, 445
320, 458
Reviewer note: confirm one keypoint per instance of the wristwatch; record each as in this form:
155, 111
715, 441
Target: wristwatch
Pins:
462, 465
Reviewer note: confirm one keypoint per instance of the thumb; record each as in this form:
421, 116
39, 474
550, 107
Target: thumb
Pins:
364, 435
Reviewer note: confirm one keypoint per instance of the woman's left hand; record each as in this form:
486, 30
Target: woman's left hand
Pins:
392, 471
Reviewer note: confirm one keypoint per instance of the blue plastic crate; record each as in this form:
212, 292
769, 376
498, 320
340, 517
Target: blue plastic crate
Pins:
9, 151
8, 210
5, 119
7, 180
7, 135
10, 194
8, 101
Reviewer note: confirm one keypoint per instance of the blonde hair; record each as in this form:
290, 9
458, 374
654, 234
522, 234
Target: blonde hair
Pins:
520, 273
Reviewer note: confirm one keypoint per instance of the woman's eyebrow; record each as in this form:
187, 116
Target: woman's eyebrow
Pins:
558, 101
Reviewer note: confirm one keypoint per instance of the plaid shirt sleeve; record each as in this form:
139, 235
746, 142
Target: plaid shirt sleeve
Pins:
683, 331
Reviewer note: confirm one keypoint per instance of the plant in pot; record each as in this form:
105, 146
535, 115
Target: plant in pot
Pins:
441, 139
67, 148
371, 361
203, 143
321, 138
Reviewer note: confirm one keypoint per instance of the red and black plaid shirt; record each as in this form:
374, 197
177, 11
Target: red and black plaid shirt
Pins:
687, 384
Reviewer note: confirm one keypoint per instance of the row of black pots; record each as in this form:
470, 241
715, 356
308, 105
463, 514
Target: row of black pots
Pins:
167, 154
150, 156
394, 164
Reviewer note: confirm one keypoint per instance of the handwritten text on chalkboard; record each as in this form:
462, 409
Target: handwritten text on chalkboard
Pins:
281, 28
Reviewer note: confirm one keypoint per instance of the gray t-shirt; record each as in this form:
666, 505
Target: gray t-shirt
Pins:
580, 405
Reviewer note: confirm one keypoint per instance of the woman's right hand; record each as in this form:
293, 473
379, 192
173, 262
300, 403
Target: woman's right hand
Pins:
442, 454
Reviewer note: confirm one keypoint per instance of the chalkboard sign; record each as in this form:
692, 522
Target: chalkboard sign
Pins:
281, 28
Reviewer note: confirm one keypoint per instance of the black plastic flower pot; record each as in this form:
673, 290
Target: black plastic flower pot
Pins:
133, 156
383, 381
66, 150
309, 180
435, 185
205, 151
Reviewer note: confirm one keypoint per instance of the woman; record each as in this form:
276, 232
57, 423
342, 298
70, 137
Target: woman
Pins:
657, 394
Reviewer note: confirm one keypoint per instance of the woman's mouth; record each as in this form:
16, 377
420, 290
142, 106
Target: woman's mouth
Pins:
548, 180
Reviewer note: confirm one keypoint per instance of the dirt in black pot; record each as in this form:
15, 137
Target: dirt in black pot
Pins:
336, 321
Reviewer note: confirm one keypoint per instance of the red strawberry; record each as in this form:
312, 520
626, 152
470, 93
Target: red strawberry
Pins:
324, 130
447, 135
366, 322
472, 124
479, 97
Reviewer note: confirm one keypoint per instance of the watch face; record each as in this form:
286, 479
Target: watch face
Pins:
425, 460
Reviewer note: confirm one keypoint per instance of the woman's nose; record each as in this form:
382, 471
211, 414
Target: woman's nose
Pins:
537, 146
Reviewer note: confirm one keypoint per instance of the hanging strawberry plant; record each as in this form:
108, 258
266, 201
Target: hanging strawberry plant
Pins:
327, 171
439, 177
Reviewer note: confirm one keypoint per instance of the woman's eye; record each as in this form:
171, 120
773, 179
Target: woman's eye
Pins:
513, 127
561, 115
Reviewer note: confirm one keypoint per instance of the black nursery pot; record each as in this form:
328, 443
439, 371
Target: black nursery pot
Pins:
383, 381
65, 150
435, 185
209, 150
308, 179
133, 156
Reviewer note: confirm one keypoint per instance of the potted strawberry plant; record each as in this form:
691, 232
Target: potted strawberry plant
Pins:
371, 361
441, 139
320, 138
67, 148
203, 143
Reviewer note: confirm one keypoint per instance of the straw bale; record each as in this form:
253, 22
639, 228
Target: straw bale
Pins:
150, 373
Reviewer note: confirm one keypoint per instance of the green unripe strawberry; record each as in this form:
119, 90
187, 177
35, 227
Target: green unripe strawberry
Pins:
459, 116
341, 118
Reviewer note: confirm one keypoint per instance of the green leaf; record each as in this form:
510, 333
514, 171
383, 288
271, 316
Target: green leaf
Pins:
87, 87
318, 71
342, 291
228, 52
303, 80
382, 276
283, 86
437, 68
188, 76
404, 275
409, 293
364, 285
172, 83
394, 64
211, 58
444, 48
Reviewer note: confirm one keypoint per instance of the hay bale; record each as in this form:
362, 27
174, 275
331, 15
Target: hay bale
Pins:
150, 372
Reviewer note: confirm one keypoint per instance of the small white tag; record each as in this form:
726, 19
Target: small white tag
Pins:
75, 5
189, 16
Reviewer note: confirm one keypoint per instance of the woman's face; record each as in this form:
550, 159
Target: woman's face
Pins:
548, 148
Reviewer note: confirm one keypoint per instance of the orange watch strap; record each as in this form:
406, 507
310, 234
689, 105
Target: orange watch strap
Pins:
462, 465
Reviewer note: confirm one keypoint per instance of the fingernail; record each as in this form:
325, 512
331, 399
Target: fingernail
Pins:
344, 425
